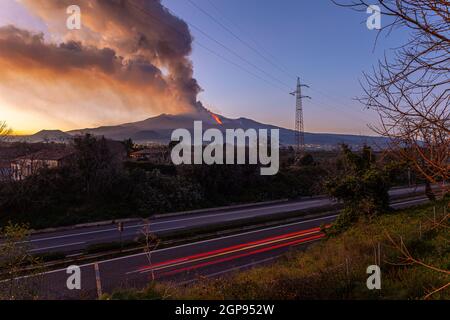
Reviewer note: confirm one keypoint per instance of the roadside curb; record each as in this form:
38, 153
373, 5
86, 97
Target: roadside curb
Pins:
187, 238
85, 225
237, 206
156, 216
184, 213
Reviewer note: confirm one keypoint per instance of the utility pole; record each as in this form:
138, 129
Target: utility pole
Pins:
299, 122
120, 229
98, 280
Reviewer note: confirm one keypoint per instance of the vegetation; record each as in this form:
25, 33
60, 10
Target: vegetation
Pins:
14, 257
361, 184
98, 185
414, 260
409, 91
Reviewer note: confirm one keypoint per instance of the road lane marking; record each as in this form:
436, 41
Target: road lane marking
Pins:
211, 275
240, 267
91, 232
244, 247
191, 244
304, 205
262, 250
228, 249
236, 246
54, 247
420, 200
308, 203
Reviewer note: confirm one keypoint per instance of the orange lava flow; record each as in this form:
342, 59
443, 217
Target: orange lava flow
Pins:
215, 117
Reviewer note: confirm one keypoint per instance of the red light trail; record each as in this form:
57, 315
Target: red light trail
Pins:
272, 243
205, 264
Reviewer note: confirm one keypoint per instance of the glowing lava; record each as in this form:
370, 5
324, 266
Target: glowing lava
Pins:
215, 117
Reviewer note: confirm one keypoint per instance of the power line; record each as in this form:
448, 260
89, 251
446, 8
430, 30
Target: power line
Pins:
235, 35
340, 110
238, 55
237, 27
143, 10
330, 97
215, 53
240, 67
265, 58
333, 99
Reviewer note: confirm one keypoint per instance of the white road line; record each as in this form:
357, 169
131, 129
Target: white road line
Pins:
309, 203
93, 232
184, 283
411, 201
195, 243
241, 267
192, 244
54, 247
303, 205
248, 247
70, 235
421, 200
161, 230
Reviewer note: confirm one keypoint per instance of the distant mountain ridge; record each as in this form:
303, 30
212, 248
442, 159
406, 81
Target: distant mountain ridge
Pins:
159, 129
56, 136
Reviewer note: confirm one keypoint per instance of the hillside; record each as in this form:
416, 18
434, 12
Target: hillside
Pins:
158, 129
56, 136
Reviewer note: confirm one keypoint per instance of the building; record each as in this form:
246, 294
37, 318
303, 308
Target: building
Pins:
28, 165
154, 154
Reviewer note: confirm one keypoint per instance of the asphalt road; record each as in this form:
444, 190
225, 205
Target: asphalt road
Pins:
72, 241
190, 262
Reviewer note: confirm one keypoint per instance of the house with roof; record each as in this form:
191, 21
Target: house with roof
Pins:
28, 165
157, 154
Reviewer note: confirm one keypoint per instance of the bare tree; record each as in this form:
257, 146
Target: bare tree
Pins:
4, 130
151, 243
410, 91
406, 258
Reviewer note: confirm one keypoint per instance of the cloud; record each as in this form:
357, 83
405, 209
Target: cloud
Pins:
131, 59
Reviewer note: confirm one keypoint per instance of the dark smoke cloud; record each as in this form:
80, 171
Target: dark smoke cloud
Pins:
29, 51
141, 30
135, 52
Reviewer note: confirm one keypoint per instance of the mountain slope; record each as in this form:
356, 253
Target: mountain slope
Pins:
158, 129
56, 136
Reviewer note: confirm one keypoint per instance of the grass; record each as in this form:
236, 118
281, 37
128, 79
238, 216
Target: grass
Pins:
336, 267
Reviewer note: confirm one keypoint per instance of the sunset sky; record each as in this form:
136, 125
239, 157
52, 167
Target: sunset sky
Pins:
328, 46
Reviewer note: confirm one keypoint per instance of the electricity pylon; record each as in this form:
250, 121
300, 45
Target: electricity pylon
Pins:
299, 122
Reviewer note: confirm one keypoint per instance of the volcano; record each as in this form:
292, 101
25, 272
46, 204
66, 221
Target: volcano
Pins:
159, 129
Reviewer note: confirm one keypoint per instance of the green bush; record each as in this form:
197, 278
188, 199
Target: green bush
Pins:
361, 184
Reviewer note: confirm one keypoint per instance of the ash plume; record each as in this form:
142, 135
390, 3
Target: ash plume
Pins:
130, 57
